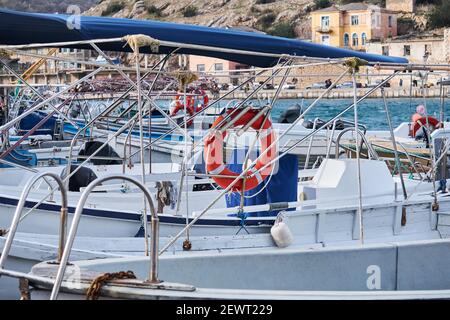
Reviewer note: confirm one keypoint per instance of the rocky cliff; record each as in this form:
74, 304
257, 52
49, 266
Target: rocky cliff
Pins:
277, 17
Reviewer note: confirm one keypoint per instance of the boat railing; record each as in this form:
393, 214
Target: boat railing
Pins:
439, 134
84, 129
311, 140
371, 154
18, 213
154, 239
128, 140
333, 130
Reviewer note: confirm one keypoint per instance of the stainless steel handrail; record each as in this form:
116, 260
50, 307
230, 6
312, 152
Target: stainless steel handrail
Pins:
154, 240
333, 129
308, 153
363, 138
18, 212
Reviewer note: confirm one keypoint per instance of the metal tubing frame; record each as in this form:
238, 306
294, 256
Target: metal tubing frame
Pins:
15, 74
172, 44
107, 111
18, 212
333, 129
137, 85
371, 152
44, 102
396, 155
128, 138
405, 66
244, 172
235, 89
358, 160
66, 179
153, 273
308, 153
31, 131
225, 121
368, 93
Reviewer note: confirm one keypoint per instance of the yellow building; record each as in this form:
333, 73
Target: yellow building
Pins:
352, 25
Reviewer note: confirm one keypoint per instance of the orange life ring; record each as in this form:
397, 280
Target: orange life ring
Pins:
213, 152
423, 121
205, 99
180, 106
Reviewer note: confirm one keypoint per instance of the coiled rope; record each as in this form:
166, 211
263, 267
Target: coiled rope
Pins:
93, 292
136, 41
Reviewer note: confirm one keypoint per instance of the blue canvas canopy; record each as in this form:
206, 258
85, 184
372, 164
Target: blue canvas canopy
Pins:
19, 28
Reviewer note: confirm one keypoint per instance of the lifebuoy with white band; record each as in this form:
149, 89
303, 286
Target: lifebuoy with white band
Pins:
180, 106
213, 152
205, 99
424, 121
190, 108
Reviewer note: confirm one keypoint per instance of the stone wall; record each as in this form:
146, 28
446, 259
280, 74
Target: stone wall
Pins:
447, 45
401, 5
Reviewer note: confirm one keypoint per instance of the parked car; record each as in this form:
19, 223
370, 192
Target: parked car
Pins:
267, 86
289, 86
348, 84
445, 81
377, 82
317, 85
226, 86
286, 86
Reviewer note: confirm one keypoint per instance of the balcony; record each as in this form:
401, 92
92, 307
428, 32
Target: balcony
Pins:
324, 29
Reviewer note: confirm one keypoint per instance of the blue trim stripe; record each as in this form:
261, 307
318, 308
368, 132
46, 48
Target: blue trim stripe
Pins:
232, 222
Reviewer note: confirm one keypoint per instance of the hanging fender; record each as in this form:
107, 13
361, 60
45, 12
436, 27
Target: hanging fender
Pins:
213, 152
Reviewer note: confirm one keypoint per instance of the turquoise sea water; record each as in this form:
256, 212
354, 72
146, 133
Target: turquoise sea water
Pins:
370, 112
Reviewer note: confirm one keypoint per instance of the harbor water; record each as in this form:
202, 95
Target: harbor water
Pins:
370, 111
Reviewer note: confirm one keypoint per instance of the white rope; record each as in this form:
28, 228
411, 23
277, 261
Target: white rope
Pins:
264, 187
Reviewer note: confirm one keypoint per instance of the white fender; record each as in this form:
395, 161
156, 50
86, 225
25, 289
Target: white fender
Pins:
281, 233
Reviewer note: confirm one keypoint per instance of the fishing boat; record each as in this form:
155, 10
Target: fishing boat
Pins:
342, 218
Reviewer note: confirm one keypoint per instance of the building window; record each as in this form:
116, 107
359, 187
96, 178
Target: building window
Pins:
354, 40
376, 20
346, 40
326, 40
354, 20
325, 22
390, 21
201, 68
385, 50
406, 50
363, 39
218, 66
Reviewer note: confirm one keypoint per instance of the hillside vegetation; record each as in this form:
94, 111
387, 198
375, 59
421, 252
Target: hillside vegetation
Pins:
286, 18
49, 6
